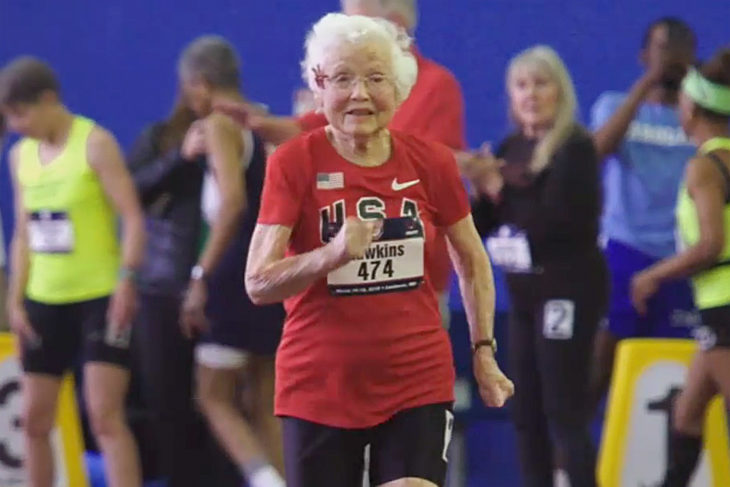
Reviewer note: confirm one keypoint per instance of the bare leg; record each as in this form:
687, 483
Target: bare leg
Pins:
266, 425
218, 401
106, 389
685, 439
40, 400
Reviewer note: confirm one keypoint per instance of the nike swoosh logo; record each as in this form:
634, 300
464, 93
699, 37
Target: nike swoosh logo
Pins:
396, 186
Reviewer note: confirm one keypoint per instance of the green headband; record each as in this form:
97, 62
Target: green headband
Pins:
705, 93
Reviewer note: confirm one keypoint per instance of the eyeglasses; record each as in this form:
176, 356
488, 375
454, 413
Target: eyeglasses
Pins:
348, 82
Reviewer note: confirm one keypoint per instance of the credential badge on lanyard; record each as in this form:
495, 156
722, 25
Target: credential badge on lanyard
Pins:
509, 248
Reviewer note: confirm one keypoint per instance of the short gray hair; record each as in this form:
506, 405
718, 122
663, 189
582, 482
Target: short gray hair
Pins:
408, 9
336, 29
214, 59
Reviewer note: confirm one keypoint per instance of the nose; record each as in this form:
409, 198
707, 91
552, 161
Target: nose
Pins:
359, 89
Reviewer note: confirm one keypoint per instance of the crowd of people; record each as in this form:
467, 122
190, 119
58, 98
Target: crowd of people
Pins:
354, 222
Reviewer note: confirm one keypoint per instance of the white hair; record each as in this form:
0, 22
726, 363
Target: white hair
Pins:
406, 9
335, 29
547, 61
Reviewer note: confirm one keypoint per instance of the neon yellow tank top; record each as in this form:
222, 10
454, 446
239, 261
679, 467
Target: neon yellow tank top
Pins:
712, 286
72, 237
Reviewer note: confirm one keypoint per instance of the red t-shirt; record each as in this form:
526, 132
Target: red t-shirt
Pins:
354, 361
434, 110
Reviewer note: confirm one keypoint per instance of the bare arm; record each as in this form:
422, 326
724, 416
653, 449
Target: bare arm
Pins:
272, 129
707, 190
275, 130
106, 160
271, 277
609, 136
19, 254
224, 153
475, 278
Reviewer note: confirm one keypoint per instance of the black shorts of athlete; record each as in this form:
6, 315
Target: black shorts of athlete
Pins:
69, 332
715, 329
412, 444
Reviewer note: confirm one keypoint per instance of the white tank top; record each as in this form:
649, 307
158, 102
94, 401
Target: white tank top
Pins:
211, 200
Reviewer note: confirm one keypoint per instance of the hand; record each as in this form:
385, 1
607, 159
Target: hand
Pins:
643, 286
122, 307
494, 387
192, 316
483, 169
355, 237
20, 324
666, 69
194, 145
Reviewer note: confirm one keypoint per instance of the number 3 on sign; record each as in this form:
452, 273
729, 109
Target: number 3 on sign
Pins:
369, 269
558, 316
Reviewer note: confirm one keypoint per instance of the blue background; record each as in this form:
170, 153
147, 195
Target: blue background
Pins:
116, 61
116, 58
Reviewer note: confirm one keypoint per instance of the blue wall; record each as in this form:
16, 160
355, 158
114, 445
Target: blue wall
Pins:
116, 58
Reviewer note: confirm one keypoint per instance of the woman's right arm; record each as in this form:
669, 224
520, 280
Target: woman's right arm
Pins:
271, 277
19, 257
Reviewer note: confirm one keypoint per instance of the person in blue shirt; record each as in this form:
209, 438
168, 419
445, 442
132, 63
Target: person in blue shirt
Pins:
640, 139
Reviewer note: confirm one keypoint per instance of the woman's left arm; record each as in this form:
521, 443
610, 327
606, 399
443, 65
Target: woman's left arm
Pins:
477, 291
707, 190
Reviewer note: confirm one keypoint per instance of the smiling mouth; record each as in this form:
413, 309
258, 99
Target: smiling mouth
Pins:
360, 112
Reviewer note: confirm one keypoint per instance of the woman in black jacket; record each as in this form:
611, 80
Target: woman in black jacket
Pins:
166, 163
539, 205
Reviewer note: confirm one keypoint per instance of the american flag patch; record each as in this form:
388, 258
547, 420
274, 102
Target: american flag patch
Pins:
330, 180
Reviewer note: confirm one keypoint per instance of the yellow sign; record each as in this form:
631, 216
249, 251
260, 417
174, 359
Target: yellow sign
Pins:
647, 376
66, 438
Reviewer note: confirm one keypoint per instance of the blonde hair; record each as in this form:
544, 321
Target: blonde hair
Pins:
546, 60
335, 29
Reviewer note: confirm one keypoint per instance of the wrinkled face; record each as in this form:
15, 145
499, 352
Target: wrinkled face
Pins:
534, 96
197, 94
357, 90
26, 119
661, 49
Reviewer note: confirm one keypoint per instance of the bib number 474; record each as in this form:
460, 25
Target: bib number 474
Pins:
375, 269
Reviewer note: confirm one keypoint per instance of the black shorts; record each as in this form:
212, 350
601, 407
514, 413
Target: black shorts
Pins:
715, 329
413, 443
69, 332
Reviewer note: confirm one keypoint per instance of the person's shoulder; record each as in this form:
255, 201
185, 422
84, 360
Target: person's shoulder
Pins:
431, 156
420, 146
100, 139
436, 73
300, 147
609, 100
580, 141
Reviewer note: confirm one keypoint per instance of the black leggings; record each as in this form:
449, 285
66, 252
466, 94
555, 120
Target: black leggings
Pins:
551, 333
188, 455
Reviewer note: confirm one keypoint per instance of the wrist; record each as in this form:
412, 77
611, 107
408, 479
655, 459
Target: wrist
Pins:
128, 274
199, 274
485, 346
334, 256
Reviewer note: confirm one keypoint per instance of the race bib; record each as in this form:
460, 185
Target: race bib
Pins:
509, 249
392, 263
50, 232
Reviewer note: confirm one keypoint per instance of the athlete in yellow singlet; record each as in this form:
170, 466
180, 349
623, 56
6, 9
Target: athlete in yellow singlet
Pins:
703, 220
72, 287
